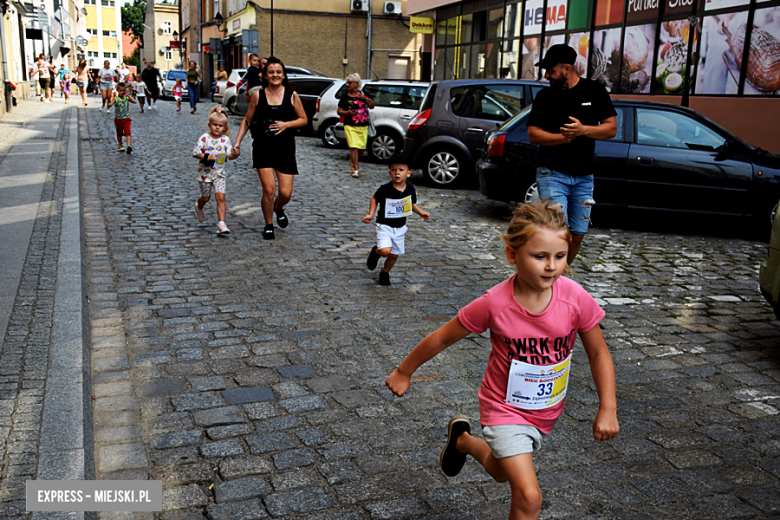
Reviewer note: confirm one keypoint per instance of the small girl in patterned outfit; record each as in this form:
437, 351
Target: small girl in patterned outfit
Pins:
213, 150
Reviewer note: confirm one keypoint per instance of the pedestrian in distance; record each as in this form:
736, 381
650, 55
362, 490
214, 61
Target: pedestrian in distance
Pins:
82, 80
354, 108
565, 121
123, 72
140, 91
273, 115
392, 203
52, 78
534, 318
106, 75
178, 94
150, 75
122, 120
65, 85
213, 149
44, 78
193, 85
63, 76
254, 77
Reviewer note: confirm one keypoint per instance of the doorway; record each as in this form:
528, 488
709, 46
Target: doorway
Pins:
398, 67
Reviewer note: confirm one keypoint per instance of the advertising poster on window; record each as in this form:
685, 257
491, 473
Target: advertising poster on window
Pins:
670, 67
605, 61
580, 42
609, 12
763, 71
638, 47
711, 5
722, 37
510, 60
530, 58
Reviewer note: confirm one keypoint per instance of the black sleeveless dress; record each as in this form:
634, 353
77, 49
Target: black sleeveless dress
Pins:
270, 150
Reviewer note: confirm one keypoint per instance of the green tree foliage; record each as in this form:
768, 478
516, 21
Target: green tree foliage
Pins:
133, 19
135, 59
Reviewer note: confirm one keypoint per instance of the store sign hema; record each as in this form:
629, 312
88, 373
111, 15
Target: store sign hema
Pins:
534, 16
421, 25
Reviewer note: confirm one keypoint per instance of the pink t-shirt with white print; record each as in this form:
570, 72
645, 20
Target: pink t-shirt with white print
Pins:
539, 339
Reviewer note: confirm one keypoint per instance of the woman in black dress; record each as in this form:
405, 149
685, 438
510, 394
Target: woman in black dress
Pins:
274, 113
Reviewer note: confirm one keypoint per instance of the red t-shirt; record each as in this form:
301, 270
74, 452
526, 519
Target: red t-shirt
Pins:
539, 339
177, 90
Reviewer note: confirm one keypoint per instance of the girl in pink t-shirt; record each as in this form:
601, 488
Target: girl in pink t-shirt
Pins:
534, 318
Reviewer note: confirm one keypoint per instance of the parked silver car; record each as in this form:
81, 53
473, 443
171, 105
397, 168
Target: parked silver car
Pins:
226, 90
169, 81
396, 103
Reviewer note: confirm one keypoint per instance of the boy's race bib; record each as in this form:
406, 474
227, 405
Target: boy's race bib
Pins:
396, 208
531, 387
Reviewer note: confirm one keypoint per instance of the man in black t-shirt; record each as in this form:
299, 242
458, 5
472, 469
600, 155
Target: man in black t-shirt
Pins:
565, 121
150, 75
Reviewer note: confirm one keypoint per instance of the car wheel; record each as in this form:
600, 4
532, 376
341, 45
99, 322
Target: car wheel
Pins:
231, 105
328, 134
385, 145
531, 194
445, 167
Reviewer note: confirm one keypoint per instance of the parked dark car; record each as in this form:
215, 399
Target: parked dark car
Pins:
663, 158
308, 88
446, 137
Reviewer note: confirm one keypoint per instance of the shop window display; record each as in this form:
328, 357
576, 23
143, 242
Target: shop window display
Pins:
722, 36
510, 60
496, 24
605, 60
637, 59
763, 70
484, 61
530, 58
534, 16
514, 21
579, 14
580, 42
670, 67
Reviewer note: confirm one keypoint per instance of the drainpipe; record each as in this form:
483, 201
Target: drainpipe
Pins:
7, 81
368, 35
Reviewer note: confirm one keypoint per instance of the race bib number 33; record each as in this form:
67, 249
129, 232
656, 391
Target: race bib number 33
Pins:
532, 387
395, 208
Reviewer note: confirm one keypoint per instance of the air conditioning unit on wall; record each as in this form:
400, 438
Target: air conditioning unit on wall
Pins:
358, 5
392, 8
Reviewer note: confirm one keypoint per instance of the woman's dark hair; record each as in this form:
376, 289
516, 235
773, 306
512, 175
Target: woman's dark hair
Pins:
271, 61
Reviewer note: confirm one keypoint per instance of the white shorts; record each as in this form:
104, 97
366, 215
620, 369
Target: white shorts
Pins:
177, 98
391, 237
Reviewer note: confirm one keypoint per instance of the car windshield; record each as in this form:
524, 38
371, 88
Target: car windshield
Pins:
176, 74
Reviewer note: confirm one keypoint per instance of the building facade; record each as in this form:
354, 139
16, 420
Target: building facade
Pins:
161, 34
637, 48
331, 36
104, 27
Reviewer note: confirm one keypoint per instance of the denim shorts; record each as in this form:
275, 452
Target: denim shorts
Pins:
508, 440
573, 193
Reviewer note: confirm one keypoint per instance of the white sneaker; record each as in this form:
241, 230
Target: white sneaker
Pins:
222, 229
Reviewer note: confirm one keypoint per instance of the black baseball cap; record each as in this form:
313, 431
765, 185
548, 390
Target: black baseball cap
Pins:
560, 53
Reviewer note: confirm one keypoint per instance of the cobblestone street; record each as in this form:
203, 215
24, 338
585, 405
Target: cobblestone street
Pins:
248, 375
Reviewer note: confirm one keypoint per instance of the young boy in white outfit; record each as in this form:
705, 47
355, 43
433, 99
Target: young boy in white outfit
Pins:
395, 201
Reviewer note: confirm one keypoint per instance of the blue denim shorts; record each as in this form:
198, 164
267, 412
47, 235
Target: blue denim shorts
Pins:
573, 193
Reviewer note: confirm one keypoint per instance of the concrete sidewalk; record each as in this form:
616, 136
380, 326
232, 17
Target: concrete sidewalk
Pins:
45, 411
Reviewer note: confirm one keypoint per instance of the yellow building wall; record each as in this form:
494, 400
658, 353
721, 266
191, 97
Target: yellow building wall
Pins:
109, 18
110, 45
92, 21
93, 44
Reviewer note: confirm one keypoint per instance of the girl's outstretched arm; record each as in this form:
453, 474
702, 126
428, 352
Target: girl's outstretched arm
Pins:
449, 333
605, 425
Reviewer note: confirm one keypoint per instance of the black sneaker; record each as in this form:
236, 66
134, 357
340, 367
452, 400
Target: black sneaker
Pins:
129, 149
451, 460
268, 232
373, 259
281, 218
384, 278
